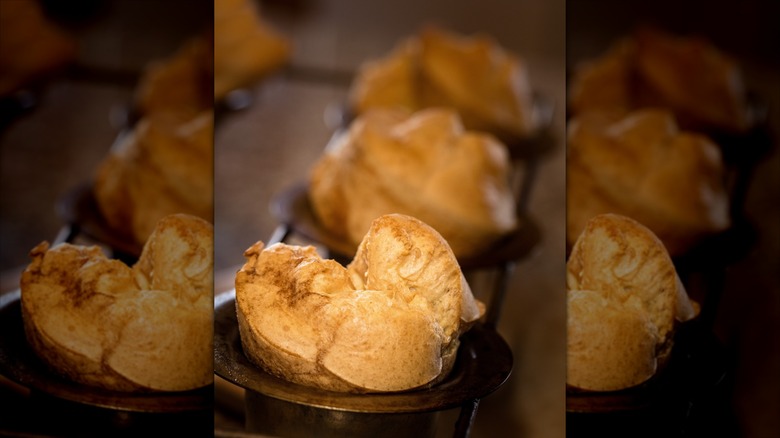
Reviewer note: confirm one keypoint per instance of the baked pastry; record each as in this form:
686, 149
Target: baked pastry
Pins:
644, 167
241, 48
487, 85
31, 47
700, 84
389, 321
180, 83
246, 47
424, 165
623, 298
164, 166
146, 328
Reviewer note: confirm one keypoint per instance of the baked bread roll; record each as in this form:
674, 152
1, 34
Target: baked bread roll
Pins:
623, 298
164, 166
180, 83
644, 167
146, 328
246, 48
700, 84
389, 321
487, 85
424, 165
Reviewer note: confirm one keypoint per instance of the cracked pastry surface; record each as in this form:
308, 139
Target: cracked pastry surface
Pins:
425, 165
623, 300
389, 321
147, 327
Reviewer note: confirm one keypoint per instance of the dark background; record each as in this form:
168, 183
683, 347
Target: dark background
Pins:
748, 320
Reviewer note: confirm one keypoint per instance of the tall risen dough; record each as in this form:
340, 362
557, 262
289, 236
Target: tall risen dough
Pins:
102, 323
486, 84
389, 321
164, 166
644, 167
423, 165
624, 297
